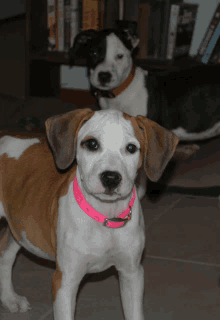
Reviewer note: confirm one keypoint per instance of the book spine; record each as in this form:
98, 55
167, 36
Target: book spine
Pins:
209, 32
185, 29
90, 14
131, 8
67, 18
56, 22
154, 29
211, 45
144, 16
174, 13
111, 13
60, 26
74, 29
215, 53
165, 29
51, 24
80, 17
101, 14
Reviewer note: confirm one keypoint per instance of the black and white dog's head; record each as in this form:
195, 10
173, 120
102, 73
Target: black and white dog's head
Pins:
108, 53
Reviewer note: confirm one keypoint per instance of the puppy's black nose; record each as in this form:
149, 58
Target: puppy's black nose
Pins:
104, 77
110, 179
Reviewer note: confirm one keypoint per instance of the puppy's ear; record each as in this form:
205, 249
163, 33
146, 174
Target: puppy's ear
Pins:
80, 49
129, 30
158, 146
62, 131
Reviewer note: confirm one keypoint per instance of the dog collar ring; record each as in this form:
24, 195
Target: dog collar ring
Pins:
117, 219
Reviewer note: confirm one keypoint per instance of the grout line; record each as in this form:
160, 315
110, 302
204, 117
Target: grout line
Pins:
162, 213
46, 314
185, 261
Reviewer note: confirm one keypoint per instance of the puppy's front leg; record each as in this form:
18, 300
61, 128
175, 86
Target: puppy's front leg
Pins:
132, 291
65, 287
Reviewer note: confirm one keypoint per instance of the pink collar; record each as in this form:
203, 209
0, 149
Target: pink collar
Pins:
117, 222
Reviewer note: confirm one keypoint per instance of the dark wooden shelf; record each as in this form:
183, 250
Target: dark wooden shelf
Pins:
62, 58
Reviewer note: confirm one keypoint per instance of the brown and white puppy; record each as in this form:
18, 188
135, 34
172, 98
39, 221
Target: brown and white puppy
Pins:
46, 215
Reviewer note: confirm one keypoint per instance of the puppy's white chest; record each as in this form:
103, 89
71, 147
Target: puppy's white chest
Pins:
94, 246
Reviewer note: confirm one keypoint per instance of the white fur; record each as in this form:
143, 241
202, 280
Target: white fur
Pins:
14, 147
182, 134
83, 244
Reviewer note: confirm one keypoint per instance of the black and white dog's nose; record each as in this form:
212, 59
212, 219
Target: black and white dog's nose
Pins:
110, 179
104, 77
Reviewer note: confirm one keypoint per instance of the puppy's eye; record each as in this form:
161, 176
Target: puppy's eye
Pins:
119, 56
92, 144
131, 148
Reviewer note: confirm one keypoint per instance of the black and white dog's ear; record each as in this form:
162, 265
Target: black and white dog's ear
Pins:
129, 30
80, 49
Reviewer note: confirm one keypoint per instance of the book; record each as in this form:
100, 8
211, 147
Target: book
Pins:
80, 17
60, 25
131, 8
90, 14
165, 26
144, 18
181, 29
174, 12
211, 45
185, 29
214, 58
56, 24
154, 34
209, 33
111, 13
67, 20
101, 14
51, 24
74, 26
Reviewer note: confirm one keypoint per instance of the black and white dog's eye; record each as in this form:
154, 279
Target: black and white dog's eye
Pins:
119, 56
94, 53
92, 144
131, 148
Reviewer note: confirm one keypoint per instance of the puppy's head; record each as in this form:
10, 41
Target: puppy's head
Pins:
108, 53
109, 147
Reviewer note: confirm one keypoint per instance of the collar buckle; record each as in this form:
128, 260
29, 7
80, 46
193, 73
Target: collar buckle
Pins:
118, 219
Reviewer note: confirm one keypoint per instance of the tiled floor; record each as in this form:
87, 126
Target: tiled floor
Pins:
181, 262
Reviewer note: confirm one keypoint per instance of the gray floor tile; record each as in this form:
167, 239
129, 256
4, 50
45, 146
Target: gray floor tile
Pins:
179, 291
189, 230
154, 210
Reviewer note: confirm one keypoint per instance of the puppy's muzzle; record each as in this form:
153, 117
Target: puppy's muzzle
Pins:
110, 180
104, 77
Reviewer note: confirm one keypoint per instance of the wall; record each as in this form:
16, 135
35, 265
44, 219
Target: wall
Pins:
9, 8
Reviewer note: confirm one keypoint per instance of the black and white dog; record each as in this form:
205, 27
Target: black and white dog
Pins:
186, 102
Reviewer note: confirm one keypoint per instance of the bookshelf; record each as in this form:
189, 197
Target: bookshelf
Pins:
42, 74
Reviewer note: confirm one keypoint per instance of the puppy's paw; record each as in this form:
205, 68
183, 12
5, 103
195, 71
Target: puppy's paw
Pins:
15, 303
